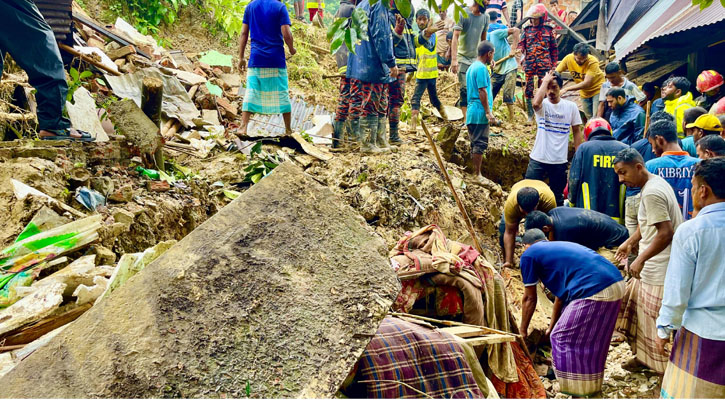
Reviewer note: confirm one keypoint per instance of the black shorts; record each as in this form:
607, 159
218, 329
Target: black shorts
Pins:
478, 135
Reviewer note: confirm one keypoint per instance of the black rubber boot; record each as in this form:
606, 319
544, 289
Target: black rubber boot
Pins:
337, 134
394, 135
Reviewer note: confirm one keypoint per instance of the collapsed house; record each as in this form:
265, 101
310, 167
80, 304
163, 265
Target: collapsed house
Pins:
654, 39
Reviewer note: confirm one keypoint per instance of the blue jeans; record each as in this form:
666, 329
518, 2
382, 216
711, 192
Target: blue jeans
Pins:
421, 85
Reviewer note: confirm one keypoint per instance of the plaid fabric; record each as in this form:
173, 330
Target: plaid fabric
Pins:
344, 100
696, 369
579, 363
267, 91
428, 360
637, 321
397, 98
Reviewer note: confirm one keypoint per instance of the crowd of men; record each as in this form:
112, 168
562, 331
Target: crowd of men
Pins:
651, 186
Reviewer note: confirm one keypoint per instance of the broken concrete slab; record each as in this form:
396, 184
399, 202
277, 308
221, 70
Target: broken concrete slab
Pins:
84, 116
32, 308
281, 290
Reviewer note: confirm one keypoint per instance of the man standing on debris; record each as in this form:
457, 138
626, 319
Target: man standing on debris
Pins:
538, 44
31, 43
672, 163
693, 300
443, 45
316, 7
480, 106
506, 68
427, 73
627, 117
404, 49
659, 216
587, 75
616, 79
593, 184
370, 69
267, 92
343, 100
588, 291
525, 196
467, 33
588, 228
677, 99
555, 118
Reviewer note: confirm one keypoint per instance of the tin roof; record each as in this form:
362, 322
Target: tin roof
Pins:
692, 18
57, 13
657, 16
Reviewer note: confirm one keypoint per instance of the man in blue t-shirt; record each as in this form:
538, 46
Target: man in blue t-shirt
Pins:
588, 291
672, 163
480, 106
504, 72
267, 91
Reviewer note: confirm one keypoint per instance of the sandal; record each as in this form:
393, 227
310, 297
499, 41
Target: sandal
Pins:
65, 134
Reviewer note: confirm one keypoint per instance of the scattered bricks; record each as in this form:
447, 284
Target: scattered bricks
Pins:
124, 217
231, 80
124, 194
102, 184
35, 152
79, 176
104, 255
227, 109
158, 186
121, 53
120, 62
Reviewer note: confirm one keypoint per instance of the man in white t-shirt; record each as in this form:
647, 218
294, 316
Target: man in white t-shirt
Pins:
658, 217
555, 117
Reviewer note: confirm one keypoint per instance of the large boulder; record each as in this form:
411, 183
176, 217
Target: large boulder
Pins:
276, 295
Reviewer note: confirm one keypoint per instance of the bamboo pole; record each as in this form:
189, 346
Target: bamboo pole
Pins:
647, 118
452, 323
442, 166
87, 59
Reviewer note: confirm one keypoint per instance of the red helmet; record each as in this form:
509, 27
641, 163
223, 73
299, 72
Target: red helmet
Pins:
597, 125
709, 80
536, 11
719, 108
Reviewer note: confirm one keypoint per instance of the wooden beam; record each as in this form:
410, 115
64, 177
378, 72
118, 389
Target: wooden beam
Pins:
602, 33
87, 59
488, 339
585, 26
105, 32
578, 37
27, 334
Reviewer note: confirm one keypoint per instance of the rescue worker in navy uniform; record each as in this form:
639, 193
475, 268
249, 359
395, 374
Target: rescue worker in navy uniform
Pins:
30, 41
404, 49
593, 184
342, 120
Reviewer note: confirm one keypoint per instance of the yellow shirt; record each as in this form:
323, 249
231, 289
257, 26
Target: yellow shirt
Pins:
578, 72
547, 200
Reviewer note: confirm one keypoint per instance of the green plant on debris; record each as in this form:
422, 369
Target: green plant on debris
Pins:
76, 80
263, 163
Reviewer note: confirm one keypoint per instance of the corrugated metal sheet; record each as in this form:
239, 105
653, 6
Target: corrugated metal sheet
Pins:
273, 125
655, 18
678, 16
624, 17
58, 14
691, 19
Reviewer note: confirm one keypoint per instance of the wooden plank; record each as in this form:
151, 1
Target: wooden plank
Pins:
488, 339
27, 334
87, 59
585, 26
451, 323
463, 331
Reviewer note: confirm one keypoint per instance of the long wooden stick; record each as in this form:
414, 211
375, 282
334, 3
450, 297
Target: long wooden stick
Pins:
442, 166
398, 382
87, 59
447, 87
452, 323
646, 118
